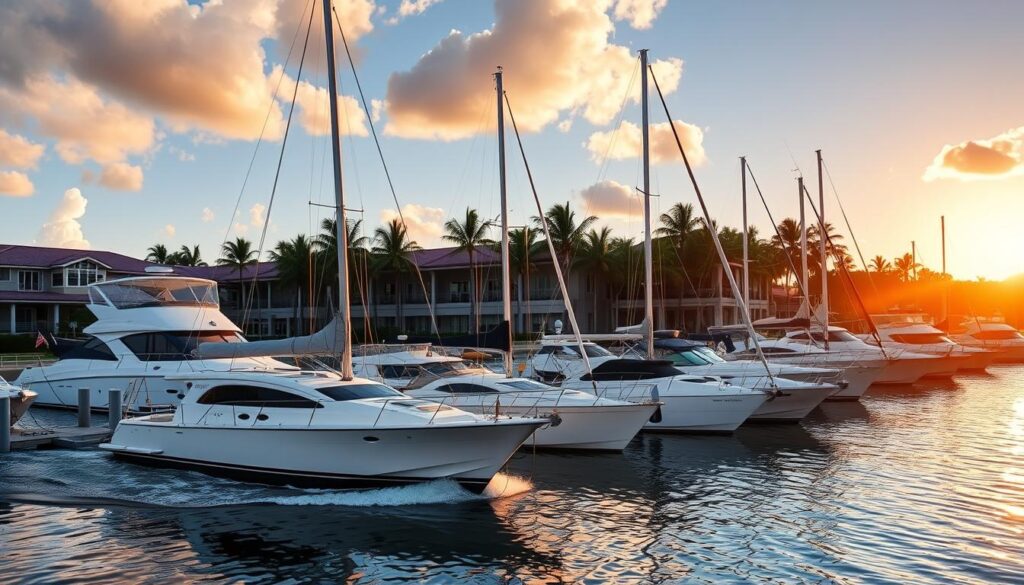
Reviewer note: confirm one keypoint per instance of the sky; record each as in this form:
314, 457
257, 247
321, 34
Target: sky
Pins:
124, 124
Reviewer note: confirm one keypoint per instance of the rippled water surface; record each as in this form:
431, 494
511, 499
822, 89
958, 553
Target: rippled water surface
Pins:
918, 484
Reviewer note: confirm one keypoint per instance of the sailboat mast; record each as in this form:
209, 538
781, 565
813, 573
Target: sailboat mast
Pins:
822, 237
506, 275
746, 251
648, 253
803, 243
345, 312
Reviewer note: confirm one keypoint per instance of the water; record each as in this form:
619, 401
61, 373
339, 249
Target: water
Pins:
921, 484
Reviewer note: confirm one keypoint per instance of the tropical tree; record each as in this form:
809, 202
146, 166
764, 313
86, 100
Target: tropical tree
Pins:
880, 265
238, 254
391, 250
469, 235
523, 248
158, 253
326, 245
596, 256
677, 224
186, 256
566, 234
295, 260
905, 267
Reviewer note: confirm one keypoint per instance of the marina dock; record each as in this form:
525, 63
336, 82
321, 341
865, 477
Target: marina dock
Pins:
58, 437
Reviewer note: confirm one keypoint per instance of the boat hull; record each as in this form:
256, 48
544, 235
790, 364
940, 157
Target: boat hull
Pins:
20, 404
587, 428
791, 405
908, 371
705, 414
326, 457
140, 392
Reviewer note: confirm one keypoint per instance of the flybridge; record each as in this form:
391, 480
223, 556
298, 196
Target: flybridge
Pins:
154, 291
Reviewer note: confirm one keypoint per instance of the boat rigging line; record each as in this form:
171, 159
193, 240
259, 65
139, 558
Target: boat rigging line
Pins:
848, 226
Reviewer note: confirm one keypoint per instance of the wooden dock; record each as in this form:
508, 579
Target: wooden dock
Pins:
58, 437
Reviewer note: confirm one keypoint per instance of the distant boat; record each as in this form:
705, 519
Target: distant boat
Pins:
20, 398
994, 335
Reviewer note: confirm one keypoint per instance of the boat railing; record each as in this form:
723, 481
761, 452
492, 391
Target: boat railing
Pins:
387, 348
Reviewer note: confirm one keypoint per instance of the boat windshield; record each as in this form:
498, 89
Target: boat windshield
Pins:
573, 351
920, 338
358, 391
155, 292
832, 336
686, 357
524, 384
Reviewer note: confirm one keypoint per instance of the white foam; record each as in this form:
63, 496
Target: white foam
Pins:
444, 491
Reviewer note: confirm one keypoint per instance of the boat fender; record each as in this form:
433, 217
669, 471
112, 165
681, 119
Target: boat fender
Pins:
656, 416
555, 419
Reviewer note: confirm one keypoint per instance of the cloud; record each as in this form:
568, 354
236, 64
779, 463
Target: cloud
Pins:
257, 214
414, 7
62, 230
556, 55
17, 151
424, 224
627, 142
993, 158
207, 216
290, 15
15, 184
122, 177
639, 13
182, 154
170, 230
84, 124
314, 113
609, 198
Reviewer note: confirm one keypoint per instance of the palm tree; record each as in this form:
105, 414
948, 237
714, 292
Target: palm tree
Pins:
158, 253
677, 224
295, 260
566, 234
880, 265
523, 247
625, 262
186, 256
467, 236
391, 249
905, 267
238, 254
596, 256
326, 245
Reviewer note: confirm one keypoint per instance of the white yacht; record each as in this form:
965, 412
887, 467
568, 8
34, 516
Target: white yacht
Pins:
20, 398
911, 332
993, 335
799, 390
699, 404
315, 429
581, 421
146, 330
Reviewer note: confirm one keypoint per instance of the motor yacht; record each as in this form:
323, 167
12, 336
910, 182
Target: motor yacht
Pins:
797, 390
145, 333
918, 336
997, 336
698, 404
20, 399
315, 429
581, 420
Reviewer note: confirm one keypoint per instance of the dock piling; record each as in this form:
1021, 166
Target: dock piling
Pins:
114, 408
84, 410
5, 424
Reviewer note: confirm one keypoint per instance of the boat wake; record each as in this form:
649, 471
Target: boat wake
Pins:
77, 478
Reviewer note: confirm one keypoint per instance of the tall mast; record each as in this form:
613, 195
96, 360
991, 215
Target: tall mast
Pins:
746, 251
506, 275
339, 198
803, 244
648, 253
822, 237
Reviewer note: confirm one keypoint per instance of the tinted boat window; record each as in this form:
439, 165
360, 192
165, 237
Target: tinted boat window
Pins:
173, 346
463, 388
93, 349
241, 395
358, 391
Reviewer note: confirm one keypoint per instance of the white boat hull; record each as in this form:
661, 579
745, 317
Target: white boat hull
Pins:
792, 404
908, 371
692, 413
589, 428
326, 457
20, 402
139, 392
858, 379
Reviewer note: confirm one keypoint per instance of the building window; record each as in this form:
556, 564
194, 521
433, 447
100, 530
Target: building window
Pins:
57, 279
458, 292
83, 273
5, 274
29, 280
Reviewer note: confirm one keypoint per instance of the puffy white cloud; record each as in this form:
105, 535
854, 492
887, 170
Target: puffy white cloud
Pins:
627, 142
17, 151
413, 7
556, 55
207, 216
15, 184
609, 198
292, 15
423, 224
993, 158
170, 230
639, 13
257, 215
63, 229
314, 112
121, 176
84, 124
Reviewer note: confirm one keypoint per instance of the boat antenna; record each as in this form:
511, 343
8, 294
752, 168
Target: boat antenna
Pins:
744, 313
339, 210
